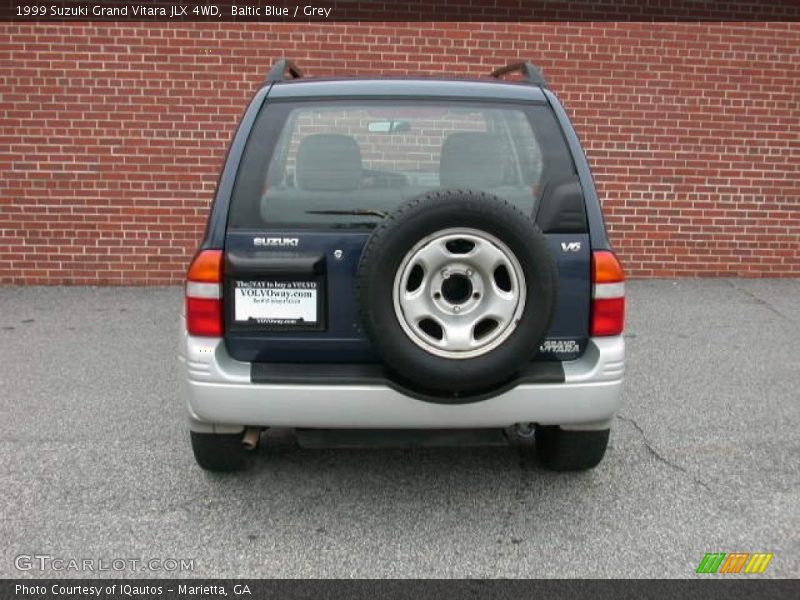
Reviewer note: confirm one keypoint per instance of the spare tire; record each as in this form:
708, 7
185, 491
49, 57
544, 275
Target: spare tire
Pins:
457, 289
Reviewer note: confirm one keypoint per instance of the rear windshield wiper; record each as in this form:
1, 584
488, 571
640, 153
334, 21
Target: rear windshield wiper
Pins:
359, 212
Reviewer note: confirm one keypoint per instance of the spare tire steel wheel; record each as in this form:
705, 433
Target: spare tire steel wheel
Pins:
457, 289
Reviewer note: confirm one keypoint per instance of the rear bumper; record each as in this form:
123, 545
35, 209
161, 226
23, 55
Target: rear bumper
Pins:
221, 397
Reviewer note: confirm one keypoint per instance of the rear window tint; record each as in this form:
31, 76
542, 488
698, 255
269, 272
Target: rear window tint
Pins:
345, 163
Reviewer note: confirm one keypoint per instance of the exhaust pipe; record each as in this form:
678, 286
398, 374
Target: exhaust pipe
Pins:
525, 430
251, 437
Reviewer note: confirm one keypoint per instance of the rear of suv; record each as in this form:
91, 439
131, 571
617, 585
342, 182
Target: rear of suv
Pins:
404, 254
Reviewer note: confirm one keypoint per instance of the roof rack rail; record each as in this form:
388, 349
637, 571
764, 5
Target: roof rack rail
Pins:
281, 68
530, 72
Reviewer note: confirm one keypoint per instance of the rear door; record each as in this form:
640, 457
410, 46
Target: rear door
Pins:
315, 179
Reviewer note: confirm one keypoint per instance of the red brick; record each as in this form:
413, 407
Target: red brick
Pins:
115, 131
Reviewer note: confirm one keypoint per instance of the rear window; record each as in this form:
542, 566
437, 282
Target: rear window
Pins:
346, 164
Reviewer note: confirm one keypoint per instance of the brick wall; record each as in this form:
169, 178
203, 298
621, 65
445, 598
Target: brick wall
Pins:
112, 135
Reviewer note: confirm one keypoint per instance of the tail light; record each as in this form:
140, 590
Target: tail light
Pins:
204, 294
608, 294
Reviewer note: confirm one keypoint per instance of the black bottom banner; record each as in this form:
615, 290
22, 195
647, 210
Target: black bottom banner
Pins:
320, 589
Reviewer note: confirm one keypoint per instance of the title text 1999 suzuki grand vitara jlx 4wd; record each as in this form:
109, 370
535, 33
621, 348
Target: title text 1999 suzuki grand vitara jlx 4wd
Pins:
404, 254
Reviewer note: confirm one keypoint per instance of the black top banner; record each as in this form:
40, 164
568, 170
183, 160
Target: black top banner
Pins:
400, 10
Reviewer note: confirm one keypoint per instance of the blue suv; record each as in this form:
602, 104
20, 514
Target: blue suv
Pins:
404, 254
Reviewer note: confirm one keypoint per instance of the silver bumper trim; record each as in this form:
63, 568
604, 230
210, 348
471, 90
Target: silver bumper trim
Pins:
219, 391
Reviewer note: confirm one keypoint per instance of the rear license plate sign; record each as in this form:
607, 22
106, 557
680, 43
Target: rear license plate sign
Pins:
276, 302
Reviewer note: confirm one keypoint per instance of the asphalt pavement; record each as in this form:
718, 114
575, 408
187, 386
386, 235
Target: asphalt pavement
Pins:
704, 457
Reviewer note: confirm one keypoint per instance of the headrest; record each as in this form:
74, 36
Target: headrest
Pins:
472, 159
328, 162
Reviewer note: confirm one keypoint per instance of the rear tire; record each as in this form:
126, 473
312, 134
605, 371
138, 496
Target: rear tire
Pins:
220, 452
562, 450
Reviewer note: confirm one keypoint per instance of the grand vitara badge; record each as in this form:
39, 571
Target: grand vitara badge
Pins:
560, 346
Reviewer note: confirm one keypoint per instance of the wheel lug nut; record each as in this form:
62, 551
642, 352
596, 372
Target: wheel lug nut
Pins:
456, 308
469, 272
476, 295
437, 295
445, 274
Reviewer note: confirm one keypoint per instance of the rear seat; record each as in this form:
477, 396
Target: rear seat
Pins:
477, 160
328, 176
329, 172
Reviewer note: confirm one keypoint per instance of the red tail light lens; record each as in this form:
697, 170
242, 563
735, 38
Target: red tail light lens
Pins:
204, 294
204, 317
608, 316
608, 294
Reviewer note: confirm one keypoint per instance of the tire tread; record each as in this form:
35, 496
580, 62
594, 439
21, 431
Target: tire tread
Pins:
562, 450
219, 452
